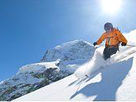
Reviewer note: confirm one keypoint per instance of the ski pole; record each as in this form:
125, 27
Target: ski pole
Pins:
98, 46
131, 45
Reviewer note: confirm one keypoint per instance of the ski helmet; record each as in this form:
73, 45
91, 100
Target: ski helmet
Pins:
108, 26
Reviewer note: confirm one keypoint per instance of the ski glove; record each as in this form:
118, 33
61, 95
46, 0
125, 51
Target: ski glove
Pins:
123, 44
95, 43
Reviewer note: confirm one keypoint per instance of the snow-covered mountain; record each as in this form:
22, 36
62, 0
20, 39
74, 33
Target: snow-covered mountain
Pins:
56, 64
70, 54
114, 79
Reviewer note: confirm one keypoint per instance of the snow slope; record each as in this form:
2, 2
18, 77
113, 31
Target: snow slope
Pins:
114, 81
117, 82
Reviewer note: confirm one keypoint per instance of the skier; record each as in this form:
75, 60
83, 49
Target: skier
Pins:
113, 38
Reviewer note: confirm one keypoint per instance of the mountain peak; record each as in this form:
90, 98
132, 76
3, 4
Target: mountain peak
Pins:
73, 50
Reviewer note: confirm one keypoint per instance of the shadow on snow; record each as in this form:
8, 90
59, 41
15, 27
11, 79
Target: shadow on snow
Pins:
112, 78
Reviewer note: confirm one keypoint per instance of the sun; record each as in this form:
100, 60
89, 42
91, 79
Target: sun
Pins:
111, 6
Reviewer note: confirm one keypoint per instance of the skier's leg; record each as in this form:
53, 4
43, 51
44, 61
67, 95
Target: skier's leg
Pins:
109, 51
106, 53
113, 50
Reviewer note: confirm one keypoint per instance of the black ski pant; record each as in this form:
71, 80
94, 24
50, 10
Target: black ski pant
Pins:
108, 51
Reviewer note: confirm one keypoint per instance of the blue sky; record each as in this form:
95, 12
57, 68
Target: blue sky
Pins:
29, 27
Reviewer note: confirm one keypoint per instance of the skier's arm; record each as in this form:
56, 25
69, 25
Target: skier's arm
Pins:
121, 37
101, 39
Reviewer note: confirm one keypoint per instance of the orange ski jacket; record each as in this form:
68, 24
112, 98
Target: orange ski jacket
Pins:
113, 38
